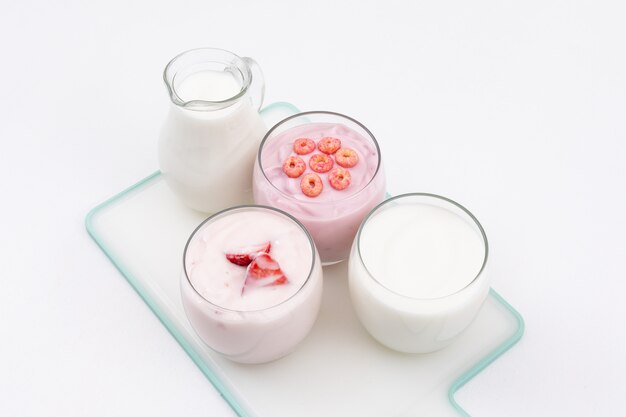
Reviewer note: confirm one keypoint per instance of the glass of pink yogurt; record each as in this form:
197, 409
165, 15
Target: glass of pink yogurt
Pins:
325, 169
251, 283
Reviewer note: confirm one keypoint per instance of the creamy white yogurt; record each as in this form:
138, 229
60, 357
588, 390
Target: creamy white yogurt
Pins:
416, 272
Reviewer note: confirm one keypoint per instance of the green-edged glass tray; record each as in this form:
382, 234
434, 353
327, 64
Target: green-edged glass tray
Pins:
339, 370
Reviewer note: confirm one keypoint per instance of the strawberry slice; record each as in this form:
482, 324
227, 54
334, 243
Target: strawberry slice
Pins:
244, 256
264, 271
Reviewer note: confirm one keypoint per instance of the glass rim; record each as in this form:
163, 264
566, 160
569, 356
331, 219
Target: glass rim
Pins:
204, 104
292, 198
242, 207
433, 196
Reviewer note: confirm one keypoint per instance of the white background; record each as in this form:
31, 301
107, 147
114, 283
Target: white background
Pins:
515, 109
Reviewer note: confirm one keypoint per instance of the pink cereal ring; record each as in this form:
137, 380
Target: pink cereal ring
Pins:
303, 146
346, 157
339, 178
329, 145
294, 166
311, 185
321, 163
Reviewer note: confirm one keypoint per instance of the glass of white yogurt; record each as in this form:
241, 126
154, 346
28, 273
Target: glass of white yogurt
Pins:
252, 283
417, 272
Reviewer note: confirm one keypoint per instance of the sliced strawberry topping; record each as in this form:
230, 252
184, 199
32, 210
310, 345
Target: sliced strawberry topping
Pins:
264, 271
244, 256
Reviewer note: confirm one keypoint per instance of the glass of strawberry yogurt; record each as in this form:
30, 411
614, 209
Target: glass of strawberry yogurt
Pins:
251, 283
325, 169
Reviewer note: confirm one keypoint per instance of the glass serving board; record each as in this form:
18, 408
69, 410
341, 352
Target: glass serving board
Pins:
338, 370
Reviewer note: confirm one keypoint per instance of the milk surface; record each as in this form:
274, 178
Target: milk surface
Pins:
421, 250
208, 85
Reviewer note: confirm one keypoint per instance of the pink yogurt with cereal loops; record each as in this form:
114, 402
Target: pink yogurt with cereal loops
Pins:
342, 181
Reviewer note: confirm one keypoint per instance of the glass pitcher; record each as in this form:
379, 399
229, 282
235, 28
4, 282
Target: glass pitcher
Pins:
213, 129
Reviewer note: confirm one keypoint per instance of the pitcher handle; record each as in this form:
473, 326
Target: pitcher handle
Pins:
257, 84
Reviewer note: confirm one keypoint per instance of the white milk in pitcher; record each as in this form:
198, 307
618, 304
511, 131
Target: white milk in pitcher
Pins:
208, 144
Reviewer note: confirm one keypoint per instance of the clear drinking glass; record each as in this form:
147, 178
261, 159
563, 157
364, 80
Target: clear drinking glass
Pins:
254, 335
213, 129
410, 305
332, 219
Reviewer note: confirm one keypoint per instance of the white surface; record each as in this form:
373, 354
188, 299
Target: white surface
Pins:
336, 366
208, 85
514, 109
422, 248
